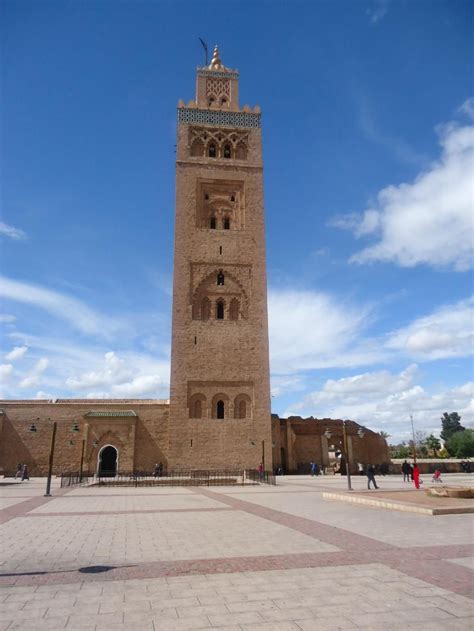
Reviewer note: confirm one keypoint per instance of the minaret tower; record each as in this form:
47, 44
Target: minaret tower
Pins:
220, 394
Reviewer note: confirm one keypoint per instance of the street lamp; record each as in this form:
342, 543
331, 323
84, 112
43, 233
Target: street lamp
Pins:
414, 441
345, 448
75, 428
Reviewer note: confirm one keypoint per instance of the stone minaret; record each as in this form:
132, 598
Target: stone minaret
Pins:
220, 394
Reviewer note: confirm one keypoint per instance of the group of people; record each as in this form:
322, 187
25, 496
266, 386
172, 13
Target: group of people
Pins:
22, 472
465, 466
158, 471
412, 472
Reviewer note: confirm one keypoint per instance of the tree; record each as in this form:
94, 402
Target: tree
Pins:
400, 451
451, 424
434, 444
384, 435
461, 444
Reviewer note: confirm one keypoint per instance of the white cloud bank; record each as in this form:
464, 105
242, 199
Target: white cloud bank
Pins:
447, 332
123, 377
310, 330
18, 352
384, 401
430, 220
67, 308
11, 231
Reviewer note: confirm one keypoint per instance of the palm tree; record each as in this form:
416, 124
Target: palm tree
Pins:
434, 444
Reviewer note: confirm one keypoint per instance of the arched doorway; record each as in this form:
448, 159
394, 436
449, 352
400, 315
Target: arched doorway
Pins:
108, 457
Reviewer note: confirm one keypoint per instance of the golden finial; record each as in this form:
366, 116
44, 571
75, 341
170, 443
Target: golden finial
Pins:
215, 61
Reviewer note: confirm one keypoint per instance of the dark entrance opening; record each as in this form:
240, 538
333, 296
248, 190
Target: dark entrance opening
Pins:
108, 462
220, 409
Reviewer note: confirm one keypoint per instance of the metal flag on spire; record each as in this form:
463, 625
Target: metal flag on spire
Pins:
204, 45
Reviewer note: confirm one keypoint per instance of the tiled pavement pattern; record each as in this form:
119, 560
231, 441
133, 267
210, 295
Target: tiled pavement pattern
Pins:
229, 558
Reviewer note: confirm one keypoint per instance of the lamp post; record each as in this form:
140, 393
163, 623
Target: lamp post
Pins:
75, 428
414, 441
51, 459
82, 459
345, 449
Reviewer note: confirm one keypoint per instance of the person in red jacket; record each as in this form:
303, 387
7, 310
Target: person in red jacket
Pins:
416, 476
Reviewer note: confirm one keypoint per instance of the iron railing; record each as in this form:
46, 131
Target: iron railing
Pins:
183, 477
73, 479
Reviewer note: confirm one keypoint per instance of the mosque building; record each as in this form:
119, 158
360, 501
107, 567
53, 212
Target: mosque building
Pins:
218, 415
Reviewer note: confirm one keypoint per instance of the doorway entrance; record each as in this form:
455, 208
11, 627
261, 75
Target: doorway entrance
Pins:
108, 457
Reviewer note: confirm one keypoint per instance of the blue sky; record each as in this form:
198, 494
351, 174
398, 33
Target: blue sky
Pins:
368, 148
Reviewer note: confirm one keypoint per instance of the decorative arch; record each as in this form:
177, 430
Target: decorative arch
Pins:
241, 151
220, 406
208, 292
197, 148
242, 406
107, 461
220, 309
212, 150
197, 406
234, 309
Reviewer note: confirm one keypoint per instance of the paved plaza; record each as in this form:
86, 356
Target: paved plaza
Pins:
229, 558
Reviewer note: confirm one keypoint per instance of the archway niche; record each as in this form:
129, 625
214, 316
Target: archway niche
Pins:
108, 460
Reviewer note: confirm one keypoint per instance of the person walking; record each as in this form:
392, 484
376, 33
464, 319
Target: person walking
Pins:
406, 470
24, 473
416, 476
313, 468
371, 476
19, 469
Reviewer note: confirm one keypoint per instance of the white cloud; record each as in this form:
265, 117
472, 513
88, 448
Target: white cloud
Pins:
60, 305
467, 108
313, 330
384, 401
16, 353
115, 370
6, 318
139, 386
430, 220
34, 376
11, 231
447, 332
6, 371
283, 384
43, 395
378, 10
121, 377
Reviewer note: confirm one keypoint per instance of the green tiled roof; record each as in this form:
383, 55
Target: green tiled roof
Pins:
111, 413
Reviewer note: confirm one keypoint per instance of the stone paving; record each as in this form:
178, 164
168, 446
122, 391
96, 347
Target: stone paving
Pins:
229, 558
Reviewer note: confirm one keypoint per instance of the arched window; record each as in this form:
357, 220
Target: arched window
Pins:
220, 409
220, 310
211, 100
232, 198
212, 223
223, 100
220, 277
234, 309
226, 223
197, 406
242, 411
212, 152
227, 151
205, 309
